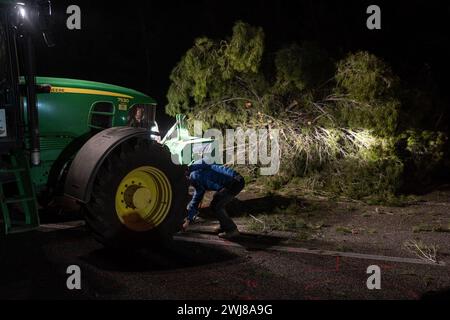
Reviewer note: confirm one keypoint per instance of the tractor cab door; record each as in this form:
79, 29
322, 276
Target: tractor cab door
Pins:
10, 111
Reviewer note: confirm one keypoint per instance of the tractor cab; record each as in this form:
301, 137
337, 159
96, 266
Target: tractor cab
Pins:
10, 131
93, 143
19, 23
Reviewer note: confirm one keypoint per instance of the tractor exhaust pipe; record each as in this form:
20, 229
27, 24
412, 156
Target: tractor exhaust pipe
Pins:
25, 21
41, 11
33, 118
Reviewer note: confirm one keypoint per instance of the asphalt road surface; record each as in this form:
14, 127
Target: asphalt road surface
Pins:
34, 265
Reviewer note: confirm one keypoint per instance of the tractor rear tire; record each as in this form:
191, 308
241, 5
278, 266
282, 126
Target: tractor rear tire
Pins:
103, 211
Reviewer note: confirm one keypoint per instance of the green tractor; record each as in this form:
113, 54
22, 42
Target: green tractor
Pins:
96, 143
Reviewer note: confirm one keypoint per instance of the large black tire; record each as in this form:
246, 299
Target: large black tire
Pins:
100, 212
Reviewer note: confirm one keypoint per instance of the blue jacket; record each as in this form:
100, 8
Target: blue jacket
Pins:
207, 177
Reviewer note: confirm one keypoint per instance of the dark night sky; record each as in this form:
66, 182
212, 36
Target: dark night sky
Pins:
137, 43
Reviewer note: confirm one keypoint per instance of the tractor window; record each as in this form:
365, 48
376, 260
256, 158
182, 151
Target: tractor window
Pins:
104, 107
102, 114
142, 116
3, 64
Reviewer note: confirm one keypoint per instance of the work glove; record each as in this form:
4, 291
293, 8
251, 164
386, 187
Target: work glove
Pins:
185, 224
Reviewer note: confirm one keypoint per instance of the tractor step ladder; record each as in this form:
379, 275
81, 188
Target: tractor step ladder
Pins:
20, 211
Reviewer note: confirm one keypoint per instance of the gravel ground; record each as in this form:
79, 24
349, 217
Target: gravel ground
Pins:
33, 265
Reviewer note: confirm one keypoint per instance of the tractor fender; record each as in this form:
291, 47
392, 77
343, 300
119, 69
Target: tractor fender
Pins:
90, 157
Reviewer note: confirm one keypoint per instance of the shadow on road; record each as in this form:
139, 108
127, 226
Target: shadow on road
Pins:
33, 265
27, 269
243, 206
437, 295
248, 241
178, 256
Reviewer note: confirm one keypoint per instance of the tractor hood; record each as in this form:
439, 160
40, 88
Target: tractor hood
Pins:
63, 85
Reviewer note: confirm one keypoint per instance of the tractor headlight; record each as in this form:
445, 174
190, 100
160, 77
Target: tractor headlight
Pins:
22, 12
154, 132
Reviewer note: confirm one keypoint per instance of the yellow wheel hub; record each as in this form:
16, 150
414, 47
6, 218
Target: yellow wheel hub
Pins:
143, 198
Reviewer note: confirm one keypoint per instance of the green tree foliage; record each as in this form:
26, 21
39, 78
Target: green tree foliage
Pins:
425, 153
219, 79
243, 52
343, 125
365, 77
300, 68
368, 94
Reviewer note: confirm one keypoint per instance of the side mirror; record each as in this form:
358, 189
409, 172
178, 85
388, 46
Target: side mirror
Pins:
45, 21
19, 16
32, 17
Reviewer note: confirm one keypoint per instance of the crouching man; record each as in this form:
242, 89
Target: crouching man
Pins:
226, 182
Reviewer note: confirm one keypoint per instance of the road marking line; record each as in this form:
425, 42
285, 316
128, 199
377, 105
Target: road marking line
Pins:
226, 243
309, 251
60, 226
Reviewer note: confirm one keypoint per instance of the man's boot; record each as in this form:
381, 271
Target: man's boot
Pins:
229, 234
